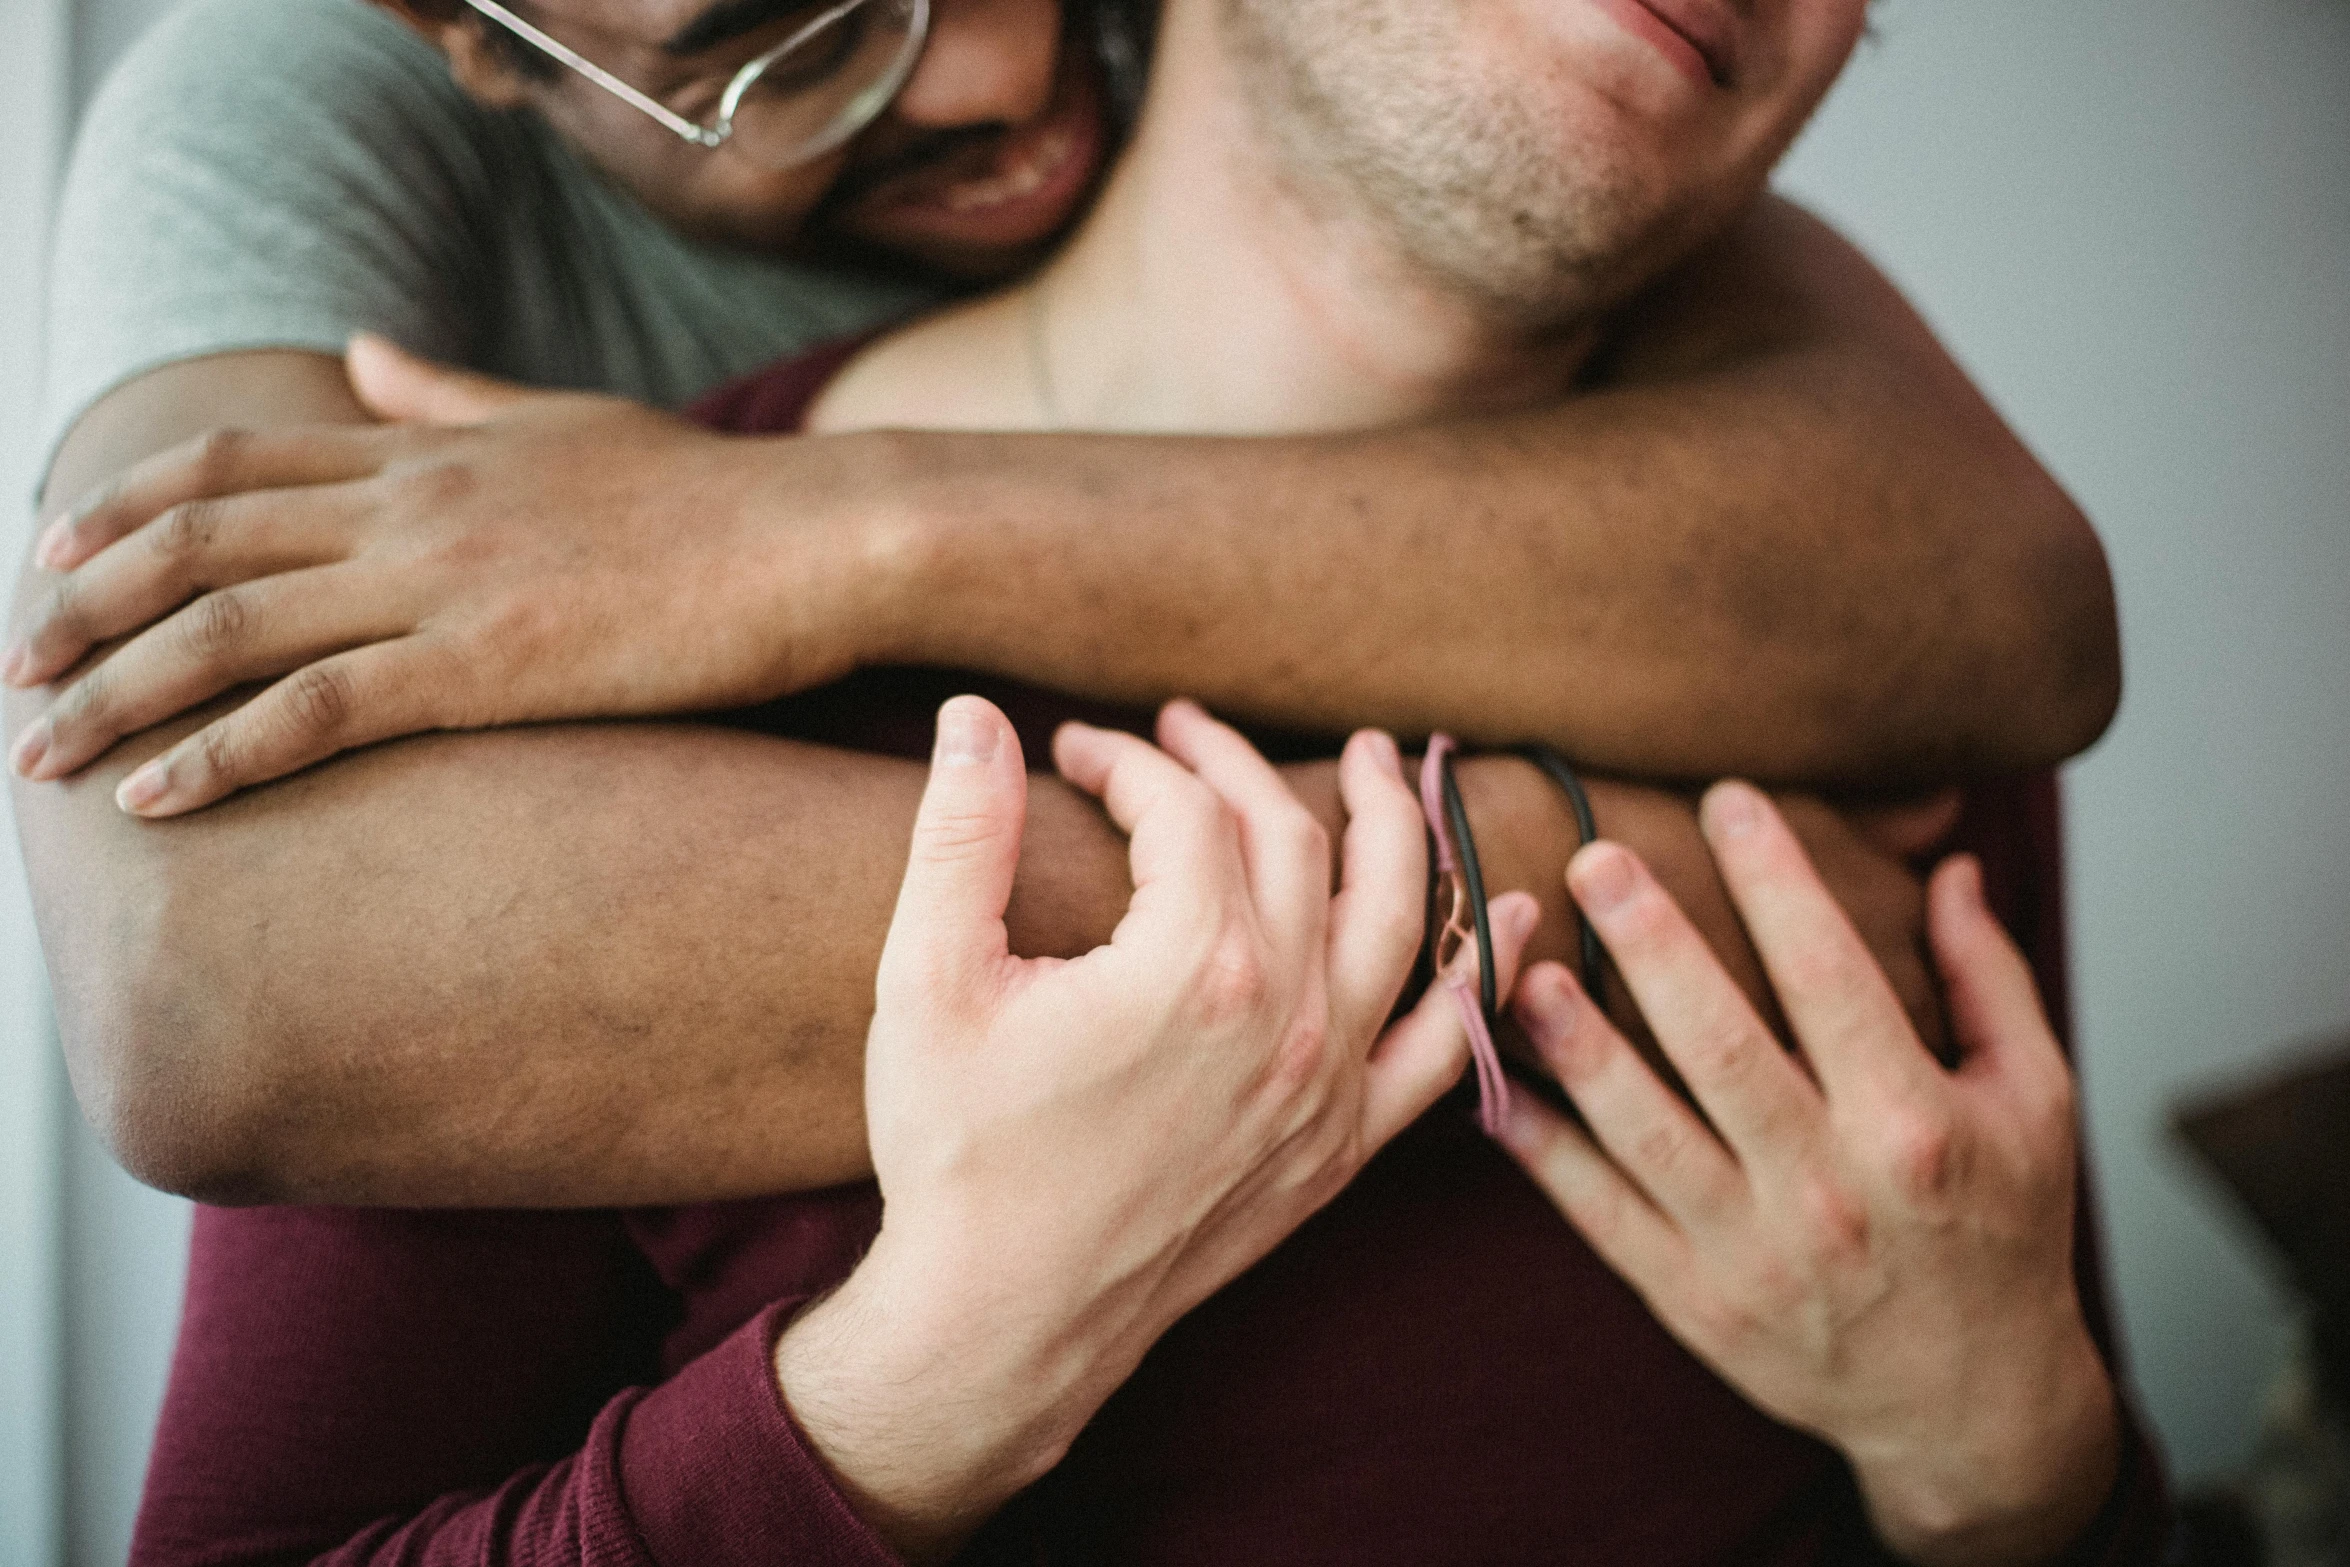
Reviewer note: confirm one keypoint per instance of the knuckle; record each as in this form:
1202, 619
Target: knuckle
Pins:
1721, 1321
1662, 1145
437, 486
218, 454
1833, 1227
63, 613
957, 834
1299, 1057
87, 701
1232, 983
319, 700
187, 529
1918, 1150
215, 753
1718, 1050
217, 622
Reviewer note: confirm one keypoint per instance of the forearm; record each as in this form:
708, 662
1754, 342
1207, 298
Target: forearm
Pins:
549, 966
565, 965
1785, 538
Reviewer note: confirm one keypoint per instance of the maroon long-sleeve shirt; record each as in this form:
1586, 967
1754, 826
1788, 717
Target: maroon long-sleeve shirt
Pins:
1433, 1370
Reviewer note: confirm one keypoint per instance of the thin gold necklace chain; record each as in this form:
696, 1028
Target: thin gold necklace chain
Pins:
1040, 365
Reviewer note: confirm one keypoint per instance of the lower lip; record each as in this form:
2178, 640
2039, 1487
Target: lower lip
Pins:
1644, 24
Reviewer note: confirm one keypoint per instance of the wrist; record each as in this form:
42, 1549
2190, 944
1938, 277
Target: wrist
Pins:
839, 528
930, 1409
1525, 833
935, 519
2022, 1488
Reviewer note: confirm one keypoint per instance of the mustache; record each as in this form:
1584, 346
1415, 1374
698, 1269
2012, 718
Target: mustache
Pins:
924, 151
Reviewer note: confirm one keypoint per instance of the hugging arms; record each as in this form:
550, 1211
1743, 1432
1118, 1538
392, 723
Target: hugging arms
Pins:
239, 1030
572, 964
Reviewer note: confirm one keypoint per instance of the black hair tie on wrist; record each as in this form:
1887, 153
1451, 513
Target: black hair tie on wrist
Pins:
1593, 955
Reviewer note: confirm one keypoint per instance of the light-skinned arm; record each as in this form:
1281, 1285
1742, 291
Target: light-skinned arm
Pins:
1709, 561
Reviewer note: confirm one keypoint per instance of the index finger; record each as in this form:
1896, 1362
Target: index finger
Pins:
1843, 1010
216, 463
1183, 846
1284, 848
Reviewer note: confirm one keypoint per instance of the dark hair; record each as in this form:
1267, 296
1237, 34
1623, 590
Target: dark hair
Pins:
1123, 33
515, 54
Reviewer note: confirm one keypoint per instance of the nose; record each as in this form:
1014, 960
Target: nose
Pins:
987, 62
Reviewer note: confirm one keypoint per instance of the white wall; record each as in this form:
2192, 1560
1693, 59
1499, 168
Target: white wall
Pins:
90, 1261
2131, 218
32, 109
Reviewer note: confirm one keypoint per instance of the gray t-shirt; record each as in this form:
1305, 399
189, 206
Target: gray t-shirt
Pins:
282, 173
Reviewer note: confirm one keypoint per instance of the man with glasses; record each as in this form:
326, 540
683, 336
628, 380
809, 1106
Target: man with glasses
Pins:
791, 103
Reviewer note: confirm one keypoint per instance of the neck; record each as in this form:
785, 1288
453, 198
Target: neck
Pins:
1206, 293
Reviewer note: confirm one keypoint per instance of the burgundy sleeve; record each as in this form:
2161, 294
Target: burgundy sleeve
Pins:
423, 1388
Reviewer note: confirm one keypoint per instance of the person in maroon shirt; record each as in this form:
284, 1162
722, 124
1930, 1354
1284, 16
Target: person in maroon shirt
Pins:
1398, 1382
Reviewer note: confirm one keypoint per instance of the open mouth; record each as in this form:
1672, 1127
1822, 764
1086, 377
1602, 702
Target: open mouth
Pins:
988, 186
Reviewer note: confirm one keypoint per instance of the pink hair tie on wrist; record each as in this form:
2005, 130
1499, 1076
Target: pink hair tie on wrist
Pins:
1465, 924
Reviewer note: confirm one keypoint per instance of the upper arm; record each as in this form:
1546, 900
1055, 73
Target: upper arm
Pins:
224, 199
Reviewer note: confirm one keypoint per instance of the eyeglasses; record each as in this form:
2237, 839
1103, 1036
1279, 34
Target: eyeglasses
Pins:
798, 101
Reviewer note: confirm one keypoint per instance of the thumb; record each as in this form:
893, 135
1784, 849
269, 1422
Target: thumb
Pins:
402, 388
947, 935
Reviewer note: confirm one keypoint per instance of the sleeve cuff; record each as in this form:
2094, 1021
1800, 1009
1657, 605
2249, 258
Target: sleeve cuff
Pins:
717, 1474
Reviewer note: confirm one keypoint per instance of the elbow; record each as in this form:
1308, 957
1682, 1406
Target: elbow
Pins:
2071, 685
168, 1088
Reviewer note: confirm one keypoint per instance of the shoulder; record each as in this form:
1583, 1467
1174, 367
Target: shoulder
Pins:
242, 54
250, 98
270, 174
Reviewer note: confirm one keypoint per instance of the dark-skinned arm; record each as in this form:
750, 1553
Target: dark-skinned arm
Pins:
588, 964
1780, 535
1783, 536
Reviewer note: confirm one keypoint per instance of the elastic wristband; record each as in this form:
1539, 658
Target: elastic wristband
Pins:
1592, 954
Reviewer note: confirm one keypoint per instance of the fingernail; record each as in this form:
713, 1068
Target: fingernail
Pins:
1970, 879
143, 788
1602, 877
52, 546
1546, 1004
1383, 747
1735, 808
31, 746
965, 735
20, 658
